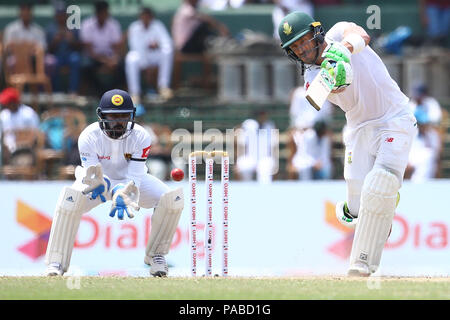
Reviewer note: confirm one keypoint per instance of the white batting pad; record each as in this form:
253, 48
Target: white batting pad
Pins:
378, 202
66, 221
164, 223
80, 173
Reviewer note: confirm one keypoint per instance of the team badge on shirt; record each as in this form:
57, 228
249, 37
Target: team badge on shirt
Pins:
117, 100
145, 152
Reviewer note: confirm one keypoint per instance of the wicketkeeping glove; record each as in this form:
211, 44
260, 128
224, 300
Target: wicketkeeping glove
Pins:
97, 183
124, 199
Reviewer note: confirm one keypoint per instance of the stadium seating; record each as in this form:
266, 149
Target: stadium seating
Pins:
198, 104
23, 163
23, 72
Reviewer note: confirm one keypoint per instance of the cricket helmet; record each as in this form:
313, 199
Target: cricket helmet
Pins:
294, 26
116, 102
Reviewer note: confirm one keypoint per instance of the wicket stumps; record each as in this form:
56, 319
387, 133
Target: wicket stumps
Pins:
209, 178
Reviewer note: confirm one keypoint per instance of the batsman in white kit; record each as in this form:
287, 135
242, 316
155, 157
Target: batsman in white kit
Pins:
113, 153
379, 132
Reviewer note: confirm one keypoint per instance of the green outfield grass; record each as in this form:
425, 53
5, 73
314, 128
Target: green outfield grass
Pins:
297, 288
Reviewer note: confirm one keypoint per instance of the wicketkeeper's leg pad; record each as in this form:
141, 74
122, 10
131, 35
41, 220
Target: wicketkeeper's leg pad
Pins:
66, 220
377, 209
164, 223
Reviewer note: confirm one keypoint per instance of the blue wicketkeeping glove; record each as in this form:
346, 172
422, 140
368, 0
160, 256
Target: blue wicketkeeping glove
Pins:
125, 198
98, 184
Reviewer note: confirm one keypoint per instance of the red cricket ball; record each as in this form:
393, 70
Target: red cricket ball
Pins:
177, 174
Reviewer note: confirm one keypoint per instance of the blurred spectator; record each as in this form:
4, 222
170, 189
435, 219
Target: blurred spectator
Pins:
283, 7
213, 4
62, 127
435, 17
14, 116
64, 46
394, 41
422, 100
425, 150
101, 36
150, 45
319, 3
221, 4
309, 141
191, 28
309, 151
300, 108
24, 29
256, 149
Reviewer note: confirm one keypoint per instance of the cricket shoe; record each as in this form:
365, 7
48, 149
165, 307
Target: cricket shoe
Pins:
54, 269
165, 93
359, 269
158, 266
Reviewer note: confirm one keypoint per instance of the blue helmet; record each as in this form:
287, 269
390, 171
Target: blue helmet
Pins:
116, 114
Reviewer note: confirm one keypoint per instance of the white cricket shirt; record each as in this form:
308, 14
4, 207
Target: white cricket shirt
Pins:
16, 31
24, 118
373, 96
120, 159
139, 37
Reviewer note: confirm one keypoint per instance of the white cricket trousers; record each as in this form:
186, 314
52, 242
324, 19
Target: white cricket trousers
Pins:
135, 61
384, 145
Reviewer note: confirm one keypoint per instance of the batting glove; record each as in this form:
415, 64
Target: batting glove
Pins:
336, 51
97, 183
341, 71
124, 199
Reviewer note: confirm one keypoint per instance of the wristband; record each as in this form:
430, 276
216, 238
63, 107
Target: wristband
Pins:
356, 41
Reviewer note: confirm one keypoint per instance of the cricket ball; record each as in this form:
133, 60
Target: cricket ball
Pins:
177, 174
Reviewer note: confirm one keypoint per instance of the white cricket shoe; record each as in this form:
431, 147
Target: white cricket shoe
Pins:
54, 269
344, 216
359, 269
158, 266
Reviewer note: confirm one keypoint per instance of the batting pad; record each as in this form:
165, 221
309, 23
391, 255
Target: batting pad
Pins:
378, 202
164, 223
65, 225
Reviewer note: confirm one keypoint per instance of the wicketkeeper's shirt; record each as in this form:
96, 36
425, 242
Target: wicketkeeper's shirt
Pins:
120, 159
373, 96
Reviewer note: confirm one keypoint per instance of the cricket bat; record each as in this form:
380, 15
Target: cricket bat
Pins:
320, 88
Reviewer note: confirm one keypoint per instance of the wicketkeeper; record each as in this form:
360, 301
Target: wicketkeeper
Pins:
380, 127
113, 154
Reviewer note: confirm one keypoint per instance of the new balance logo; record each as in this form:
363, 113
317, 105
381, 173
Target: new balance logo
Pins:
70, 199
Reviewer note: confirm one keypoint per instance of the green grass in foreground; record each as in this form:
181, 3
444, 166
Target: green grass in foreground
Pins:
296, 288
